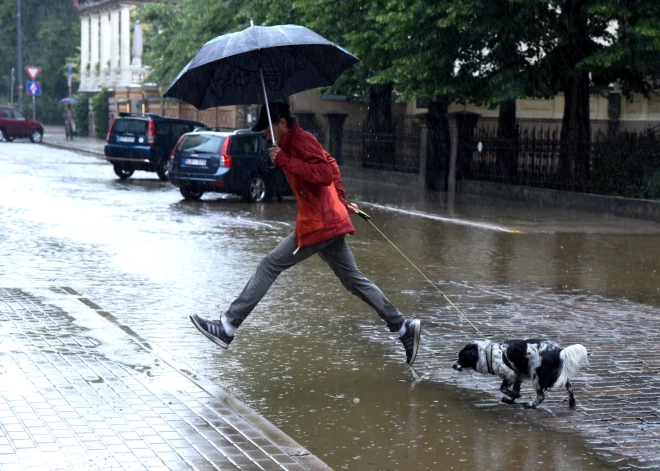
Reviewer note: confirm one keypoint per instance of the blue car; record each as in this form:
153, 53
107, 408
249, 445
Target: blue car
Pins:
144, 142
233, 162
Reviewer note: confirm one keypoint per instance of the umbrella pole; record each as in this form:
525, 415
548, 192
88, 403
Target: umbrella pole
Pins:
270, 123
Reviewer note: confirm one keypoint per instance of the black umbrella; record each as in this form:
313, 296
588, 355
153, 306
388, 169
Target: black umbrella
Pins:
258, 65
68, 101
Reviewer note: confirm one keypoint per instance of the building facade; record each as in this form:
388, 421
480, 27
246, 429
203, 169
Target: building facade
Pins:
111, 46
109, 57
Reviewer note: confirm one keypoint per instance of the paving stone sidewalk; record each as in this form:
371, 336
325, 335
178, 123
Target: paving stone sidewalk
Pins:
78, 390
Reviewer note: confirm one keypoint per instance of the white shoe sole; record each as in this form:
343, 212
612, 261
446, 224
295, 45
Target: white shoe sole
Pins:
212, 338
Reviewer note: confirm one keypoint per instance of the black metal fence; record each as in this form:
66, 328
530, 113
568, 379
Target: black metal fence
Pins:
529, 158
394, 152
627, 164
624, 165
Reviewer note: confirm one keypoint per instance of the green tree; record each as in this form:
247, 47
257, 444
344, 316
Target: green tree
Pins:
538, 48
443, 51
422, 45
598, 42
51, 34
179, 30
496, 57
101, 112
81, 110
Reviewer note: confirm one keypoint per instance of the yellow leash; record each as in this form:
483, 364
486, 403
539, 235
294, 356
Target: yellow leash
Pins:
367, 218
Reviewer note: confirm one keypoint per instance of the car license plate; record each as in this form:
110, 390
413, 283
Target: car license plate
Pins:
195, 162
125, 139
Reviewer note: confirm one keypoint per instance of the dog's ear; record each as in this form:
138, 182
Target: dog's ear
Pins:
469, 356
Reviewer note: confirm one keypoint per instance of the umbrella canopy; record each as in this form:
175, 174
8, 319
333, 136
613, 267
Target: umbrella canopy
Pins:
240, 68
68, 101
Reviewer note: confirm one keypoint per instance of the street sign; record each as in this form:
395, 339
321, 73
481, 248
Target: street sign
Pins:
33, 71
34, 88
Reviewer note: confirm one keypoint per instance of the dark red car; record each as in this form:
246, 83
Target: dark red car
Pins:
14, 123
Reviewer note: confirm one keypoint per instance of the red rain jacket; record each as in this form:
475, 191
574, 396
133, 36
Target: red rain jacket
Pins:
316, 181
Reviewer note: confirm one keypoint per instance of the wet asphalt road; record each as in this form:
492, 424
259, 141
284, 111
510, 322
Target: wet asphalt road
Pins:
315, 360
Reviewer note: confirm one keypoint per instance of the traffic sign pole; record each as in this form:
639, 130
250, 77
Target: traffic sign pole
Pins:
34, 89
13, 79
69, 69
19, 50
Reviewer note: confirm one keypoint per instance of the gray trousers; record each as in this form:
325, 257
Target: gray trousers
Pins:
336, 253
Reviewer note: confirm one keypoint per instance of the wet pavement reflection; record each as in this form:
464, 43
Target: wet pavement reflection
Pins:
316, 361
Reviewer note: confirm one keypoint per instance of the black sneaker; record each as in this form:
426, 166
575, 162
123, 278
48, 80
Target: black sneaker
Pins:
213, 330
410, 339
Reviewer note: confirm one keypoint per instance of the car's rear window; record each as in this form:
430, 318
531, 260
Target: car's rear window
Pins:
201, 143
130, 126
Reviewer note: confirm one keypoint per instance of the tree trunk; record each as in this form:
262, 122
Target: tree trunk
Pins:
507, 142
575, 135
379, 130
437, 163
575, 142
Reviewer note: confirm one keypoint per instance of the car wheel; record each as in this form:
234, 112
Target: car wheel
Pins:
2, 135
37, 135
255, 192
191, 194
122, 172
9, 138
161, 171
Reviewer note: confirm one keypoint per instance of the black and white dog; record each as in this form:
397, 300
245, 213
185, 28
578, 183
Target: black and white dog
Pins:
541, 361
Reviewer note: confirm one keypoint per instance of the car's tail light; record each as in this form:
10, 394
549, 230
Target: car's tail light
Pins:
151, 133
175, 147
107, 138
225, 160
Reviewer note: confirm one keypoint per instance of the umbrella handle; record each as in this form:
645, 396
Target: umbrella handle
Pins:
270, 123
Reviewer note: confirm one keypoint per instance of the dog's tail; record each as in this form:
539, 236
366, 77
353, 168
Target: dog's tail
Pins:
573, 358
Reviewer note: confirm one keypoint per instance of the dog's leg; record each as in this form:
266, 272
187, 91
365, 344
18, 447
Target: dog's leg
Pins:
540, 397
515, 392
571, 397
516, 388
509, 395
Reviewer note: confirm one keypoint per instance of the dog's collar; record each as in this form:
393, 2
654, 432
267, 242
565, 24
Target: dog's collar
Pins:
489, 358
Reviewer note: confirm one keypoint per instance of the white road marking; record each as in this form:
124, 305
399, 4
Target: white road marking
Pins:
462, 222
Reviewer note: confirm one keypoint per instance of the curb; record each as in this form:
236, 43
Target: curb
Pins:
97, 154
73, 148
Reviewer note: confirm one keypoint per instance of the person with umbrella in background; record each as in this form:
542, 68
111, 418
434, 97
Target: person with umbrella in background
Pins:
69, 121
322, 223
